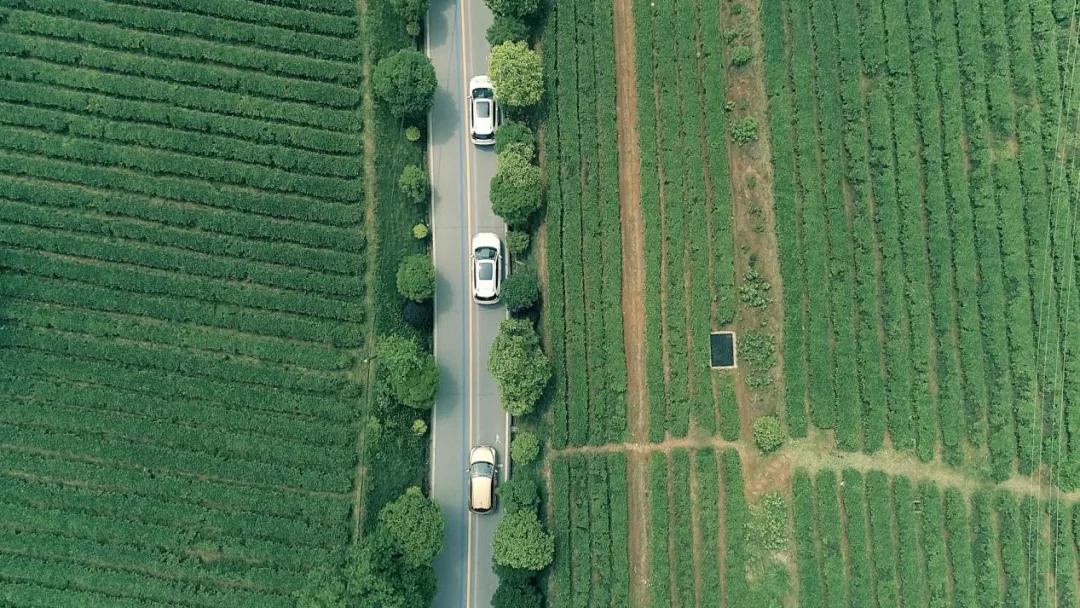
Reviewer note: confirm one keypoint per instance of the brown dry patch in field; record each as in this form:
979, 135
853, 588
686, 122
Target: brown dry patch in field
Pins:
633, 271
753, 215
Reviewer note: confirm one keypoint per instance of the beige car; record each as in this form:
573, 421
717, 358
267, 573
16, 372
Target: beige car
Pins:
483, 476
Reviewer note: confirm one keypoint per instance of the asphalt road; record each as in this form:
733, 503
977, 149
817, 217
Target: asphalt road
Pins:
467, 410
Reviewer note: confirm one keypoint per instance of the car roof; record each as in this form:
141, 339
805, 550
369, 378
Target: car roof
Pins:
481, 494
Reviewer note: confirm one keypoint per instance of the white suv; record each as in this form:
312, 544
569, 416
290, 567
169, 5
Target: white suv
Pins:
482, 111
489, 267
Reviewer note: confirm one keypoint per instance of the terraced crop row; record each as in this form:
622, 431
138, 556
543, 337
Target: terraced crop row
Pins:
875, 540
181, 298
919, 186
584, 247
591, 531
686, 204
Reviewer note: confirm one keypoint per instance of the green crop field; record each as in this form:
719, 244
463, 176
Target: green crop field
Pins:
865, 539
583, 230
182, 263
878, 197
689, 273
922, 158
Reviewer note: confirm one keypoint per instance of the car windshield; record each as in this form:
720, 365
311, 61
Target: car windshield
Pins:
482, 93
483, 109
483, 469
485, 253
486, 271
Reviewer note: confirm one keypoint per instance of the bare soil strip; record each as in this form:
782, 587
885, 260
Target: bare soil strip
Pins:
633, 290
764, 474
633, 272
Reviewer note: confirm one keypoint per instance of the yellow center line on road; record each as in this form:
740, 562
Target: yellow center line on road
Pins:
472, 309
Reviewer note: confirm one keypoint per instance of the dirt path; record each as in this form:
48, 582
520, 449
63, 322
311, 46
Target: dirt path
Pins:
633, 272
633, 291
365, 369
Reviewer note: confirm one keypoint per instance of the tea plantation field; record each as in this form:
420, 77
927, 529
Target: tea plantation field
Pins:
925, 166
181, 298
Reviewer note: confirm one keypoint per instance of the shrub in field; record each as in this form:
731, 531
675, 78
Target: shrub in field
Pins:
525, 447
517, 242
521, 542
420, 231
507, 28
521, 290
412, 11
414, 183
416, 278
768, 434
519, 365
415, 525
418, 314
517, 74
413, 134
515, 189
419, 427
757, 352
513, 8
745, 130
412, 374
405, 82
755, 291
517, 136
517, 595
741, 55
519, 493
766, 531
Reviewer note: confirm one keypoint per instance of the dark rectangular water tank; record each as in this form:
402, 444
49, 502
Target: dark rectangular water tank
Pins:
723, 349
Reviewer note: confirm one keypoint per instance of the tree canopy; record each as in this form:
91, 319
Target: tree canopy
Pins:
416, 278
515, 189
405, 82
521, 542
519, 366
517, 74
415, 526
521, 290
412, 375
513, 8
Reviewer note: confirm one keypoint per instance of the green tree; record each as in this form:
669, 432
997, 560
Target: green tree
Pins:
515, 189
521, 290
412, 375
405, 82
525, 447
519, 493
378, 577
521, 542
517, 241
513, 8
519, 366
516, 136
324, 587
416, 278
516, 72
414, 183
412, 11
517, 595
415, 525
506, 28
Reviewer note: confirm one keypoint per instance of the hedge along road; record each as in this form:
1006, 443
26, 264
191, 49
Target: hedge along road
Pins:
467, 409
